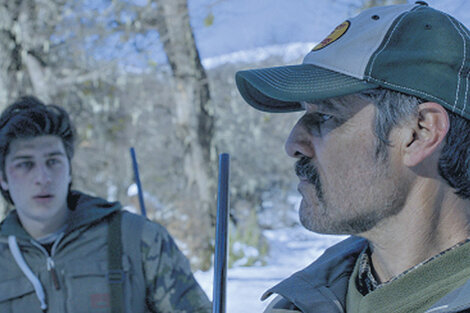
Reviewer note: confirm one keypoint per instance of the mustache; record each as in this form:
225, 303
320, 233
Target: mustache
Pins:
305, 168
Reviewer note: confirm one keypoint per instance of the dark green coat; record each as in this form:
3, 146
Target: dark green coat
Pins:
322, 286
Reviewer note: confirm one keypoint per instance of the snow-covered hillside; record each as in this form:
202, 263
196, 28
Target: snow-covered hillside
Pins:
291, 249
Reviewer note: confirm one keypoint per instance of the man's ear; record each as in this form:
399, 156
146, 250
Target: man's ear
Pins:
428, 132
3, 182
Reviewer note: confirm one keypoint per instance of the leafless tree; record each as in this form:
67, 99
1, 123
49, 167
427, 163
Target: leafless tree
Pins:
192, 114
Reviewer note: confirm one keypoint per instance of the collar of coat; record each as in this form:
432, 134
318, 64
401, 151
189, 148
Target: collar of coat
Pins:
84, 210
322, 286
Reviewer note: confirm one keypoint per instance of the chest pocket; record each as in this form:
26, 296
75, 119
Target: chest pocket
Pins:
18, 296
88, 287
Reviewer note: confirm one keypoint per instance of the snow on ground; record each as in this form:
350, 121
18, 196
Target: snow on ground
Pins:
291, 249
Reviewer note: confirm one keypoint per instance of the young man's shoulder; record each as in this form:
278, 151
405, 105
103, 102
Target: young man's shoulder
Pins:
170, 283
154, 242
150, 232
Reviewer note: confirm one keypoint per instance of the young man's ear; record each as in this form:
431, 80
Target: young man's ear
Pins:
428, 132
3, 182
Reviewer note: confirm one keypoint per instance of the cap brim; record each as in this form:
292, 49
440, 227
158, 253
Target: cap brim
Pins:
281, 89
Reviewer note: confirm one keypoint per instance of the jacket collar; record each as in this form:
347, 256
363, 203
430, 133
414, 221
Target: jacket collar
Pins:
11, 226
84, 210
322, 286
455, 301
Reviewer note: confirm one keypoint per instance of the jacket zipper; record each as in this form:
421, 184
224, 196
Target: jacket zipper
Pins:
51, 269
50, 262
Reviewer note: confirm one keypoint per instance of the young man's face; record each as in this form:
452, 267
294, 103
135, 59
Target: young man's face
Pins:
37, 173
344, 188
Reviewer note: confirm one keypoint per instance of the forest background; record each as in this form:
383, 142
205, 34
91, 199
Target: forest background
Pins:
158, 75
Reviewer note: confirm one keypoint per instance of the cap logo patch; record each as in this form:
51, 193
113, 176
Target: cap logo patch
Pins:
339, 31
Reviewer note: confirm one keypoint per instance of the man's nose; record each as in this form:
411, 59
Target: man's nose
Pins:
299, 142
43, 175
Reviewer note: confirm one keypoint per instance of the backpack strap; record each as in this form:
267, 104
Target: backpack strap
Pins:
124, 238
115, 273
132, 229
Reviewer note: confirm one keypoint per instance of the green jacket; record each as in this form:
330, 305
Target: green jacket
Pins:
322, 286
73, 278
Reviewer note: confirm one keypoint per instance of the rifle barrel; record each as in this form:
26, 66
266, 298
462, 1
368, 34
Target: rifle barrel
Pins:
221, 236
137, 181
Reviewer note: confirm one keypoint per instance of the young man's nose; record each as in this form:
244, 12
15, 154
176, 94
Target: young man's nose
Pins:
299, 142
43, 175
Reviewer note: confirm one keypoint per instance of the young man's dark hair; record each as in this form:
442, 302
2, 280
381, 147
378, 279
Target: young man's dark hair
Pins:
28, 117
64, 251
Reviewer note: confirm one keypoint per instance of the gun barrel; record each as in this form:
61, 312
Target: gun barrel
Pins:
137, 182
221, 236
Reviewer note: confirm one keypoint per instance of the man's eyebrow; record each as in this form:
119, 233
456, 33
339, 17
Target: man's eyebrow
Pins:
27, 156
22, 157
55, 153
325, 106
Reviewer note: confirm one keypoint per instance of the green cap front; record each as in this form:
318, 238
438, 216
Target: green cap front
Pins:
410, 48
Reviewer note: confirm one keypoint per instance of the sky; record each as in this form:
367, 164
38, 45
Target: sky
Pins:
248, 24
254, 26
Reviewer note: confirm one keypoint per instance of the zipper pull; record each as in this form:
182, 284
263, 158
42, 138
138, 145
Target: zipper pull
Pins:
51, 269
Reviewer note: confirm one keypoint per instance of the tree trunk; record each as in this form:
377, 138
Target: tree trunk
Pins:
25, 31
21, 70
193, 118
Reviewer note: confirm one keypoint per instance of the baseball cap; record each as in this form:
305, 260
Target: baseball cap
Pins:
411, 48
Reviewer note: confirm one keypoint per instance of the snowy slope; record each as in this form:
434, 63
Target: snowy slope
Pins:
291, 249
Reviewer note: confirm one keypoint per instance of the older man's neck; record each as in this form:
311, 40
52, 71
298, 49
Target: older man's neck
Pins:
424, 228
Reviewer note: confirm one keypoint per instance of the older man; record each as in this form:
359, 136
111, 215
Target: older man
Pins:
383, 155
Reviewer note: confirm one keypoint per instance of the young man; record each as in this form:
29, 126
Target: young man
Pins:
59, 248
383, 155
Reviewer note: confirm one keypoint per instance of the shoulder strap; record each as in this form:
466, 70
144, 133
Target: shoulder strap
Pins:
132, 228
115, 273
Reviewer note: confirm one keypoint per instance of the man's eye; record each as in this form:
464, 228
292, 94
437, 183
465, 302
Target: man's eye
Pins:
317, 118
322, 118
52, 162
25, 165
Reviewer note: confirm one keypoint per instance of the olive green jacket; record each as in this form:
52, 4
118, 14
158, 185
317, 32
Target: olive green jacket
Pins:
322, 287
73, 277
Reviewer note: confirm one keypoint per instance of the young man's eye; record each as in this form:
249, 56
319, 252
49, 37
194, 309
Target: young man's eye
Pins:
25, 165
52, 162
